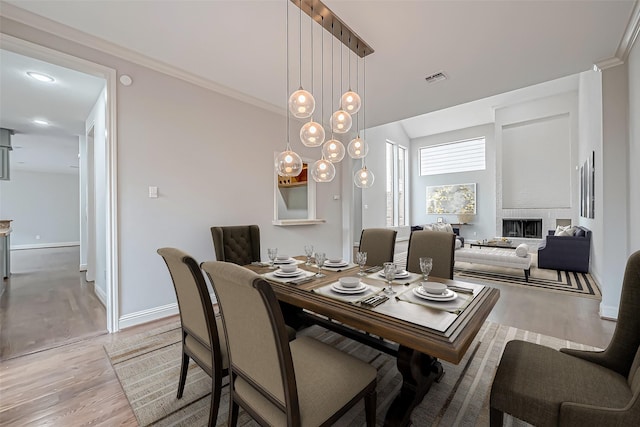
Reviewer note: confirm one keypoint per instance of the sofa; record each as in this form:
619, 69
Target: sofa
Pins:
566, 249
441, 227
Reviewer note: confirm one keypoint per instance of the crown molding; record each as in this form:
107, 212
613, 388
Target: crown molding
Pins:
630, 35
609, 63
27, 18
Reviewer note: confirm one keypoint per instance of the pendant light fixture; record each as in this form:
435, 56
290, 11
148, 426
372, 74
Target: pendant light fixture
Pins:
333, 150
350, 100
312, 133
323, 170
364, 178
341, 120
301, 102
357, 148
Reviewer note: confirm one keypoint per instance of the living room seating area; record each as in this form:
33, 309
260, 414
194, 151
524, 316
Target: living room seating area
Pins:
566, 249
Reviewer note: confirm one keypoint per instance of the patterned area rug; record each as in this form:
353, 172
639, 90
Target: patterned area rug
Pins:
580, 284
148, 366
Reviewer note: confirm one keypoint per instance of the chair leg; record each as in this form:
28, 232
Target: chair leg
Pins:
370, 407
183, 374
233, 413
216, 390
496, 417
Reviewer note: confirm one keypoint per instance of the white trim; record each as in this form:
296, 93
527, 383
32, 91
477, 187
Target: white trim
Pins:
24, 17
608, 312
630, 34
82, 267
109, 74
285, 222
43, 245
608, 63
148, 315
102, 296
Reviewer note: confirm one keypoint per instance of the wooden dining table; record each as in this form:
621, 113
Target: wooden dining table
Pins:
417, 332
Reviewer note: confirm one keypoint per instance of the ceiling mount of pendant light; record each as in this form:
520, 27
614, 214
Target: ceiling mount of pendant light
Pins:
301, 102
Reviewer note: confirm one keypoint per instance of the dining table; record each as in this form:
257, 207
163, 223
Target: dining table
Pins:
417, 331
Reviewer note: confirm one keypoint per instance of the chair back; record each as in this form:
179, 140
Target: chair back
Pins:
379, 244
196, 311
438, 245
239, 244
257, 340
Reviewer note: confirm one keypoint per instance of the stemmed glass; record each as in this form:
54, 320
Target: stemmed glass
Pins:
320, 258
272, 253
361, 260
389, 274
308, 251
426, 264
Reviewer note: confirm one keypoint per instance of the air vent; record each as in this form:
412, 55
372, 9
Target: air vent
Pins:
435, 77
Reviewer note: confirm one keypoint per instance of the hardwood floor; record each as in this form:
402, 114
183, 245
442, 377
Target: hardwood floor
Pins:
73, 383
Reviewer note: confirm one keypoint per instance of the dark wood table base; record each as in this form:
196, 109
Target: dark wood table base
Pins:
418, 371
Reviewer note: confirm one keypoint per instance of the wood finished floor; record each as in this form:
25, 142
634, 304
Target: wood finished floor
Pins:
73, 384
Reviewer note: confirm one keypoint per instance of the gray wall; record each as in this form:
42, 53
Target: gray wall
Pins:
41, 204
483, 225
634, 147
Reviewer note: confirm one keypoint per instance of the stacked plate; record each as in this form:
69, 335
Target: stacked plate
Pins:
447, 295
337, 287
294, 273
335, 263
403, 274
284, 261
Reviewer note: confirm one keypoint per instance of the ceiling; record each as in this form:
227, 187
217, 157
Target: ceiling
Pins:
485, 47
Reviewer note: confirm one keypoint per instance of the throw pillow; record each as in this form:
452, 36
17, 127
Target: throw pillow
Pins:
563, 231
522, 250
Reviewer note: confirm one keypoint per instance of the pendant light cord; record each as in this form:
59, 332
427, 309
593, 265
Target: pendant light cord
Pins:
287, 73
300, 44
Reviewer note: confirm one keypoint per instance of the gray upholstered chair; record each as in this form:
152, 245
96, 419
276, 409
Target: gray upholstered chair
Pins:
280, 383
239, 244
379, 244
438, 245
202, 334
546, 387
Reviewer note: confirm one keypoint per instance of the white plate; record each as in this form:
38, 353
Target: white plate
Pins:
337, 287
402, 275
284, 261
280, 273
335, 264
449, 295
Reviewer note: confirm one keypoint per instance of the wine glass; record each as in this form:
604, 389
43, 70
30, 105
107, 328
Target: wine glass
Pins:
308, 251
426, 264
361, 260
389, 274
320, 259
272, 253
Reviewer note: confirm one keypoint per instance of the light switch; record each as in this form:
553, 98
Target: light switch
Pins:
153, 192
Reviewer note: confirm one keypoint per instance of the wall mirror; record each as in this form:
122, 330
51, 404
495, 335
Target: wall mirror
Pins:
295, 198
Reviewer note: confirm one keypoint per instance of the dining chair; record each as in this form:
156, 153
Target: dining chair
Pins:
379, 244
300, 383
438, 245
203, 339
239, 244
571, 387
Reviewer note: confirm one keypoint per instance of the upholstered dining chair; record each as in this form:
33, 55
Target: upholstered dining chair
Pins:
379, 244
569, 387
280, 383
203, 339
438, 245
239, 244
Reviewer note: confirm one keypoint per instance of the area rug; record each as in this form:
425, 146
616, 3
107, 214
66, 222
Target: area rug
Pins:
148, 366
579, 284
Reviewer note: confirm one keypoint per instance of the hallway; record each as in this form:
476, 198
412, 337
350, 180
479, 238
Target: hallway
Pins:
47, 303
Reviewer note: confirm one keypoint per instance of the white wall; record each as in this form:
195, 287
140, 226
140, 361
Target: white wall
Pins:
483, 224
634, 147
41, 204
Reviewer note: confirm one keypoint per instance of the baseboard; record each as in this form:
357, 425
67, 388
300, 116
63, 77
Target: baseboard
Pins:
44, 245
102, 296
145, 316
608, 312
83, 267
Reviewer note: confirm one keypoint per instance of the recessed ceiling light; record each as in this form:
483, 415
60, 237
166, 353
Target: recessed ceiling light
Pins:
40, 77
41, 122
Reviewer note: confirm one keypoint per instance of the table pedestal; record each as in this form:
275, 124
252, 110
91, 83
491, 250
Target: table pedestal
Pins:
418, 371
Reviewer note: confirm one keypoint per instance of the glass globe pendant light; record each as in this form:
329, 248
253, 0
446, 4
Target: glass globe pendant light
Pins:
333, 150
301, 104
312, 134
323, 170
288, 163
363, 178
357, 148
340, 121
350, 102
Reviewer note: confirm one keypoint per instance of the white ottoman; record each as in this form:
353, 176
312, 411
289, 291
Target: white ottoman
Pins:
495, 256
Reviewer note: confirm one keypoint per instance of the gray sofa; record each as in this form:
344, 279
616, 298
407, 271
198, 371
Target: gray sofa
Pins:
567, 253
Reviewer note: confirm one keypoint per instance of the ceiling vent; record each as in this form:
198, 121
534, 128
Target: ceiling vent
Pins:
436, 77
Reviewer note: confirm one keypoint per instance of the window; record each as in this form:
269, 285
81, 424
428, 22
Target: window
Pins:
460, 156
396, 185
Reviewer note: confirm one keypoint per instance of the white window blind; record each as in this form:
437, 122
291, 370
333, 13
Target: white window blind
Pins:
461, 156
